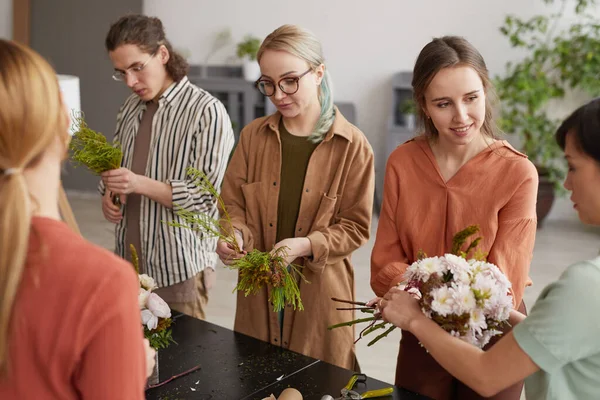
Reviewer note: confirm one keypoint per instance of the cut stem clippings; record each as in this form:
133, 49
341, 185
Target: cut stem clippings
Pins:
257, 269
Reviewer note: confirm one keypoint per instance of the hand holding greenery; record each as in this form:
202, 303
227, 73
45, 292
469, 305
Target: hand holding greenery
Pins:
257, 269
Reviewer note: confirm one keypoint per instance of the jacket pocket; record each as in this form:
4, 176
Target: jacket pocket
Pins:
253, 198
324, 217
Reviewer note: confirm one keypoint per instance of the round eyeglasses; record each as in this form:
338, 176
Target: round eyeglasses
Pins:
288, 85
136, 69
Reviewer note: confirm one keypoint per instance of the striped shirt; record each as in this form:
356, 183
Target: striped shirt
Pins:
191, 128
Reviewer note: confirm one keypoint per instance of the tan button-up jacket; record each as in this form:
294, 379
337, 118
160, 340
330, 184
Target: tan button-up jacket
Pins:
335, 214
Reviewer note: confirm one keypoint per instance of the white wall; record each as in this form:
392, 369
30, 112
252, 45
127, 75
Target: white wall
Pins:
365, 43
6, 19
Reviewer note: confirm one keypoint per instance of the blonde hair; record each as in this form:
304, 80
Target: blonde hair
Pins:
303, 44
30, 118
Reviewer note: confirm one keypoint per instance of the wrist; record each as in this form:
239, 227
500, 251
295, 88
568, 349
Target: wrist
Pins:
138, 184
417, 324
306, 247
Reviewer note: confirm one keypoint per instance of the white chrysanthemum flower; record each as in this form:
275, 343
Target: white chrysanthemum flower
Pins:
499, 307
443, 302
423, 269
464, 300
477, 321
501, 280
471, 338
485, 337
459, 267
484, 286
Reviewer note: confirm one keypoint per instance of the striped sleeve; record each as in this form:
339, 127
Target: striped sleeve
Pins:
212, 147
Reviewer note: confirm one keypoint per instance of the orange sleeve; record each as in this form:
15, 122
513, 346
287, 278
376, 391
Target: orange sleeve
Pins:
388, 259
512, 250
113, 361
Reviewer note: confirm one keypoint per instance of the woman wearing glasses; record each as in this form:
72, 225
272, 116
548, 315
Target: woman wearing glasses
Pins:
300, 178
164, 127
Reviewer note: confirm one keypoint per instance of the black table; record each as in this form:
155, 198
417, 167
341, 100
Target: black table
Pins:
239, 367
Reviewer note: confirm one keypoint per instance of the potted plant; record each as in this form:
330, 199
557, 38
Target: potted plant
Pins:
408, 111
246, 51
556, 62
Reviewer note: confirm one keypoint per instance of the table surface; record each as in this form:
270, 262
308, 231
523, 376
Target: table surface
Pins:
238, 367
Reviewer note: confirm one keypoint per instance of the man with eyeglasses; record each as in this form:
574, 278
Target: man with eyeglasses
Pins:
164, 127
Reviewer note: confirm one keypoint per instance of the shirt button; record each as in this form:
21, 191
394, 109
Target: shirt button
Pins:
299, 229
275, 340
307, 190
270, 224
274, 183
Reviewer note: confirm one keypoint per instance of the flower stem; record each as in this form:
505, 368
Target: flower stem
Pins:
384, 334
350, 323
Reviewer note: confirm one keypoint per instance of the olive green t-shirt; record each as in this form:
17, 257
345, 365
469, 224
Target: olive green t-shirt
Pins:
295, 154
562, 336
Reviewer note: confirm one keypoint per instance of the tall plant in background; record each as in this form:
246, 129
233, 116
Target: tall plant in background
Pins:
560, 57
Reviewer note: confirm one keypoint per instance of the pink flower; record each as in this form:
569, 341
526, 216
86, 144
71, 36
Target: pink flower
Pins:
158, 306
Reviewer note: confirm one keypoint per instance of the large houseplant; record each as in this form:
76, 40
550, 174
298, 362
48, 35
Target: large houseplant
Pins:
560, 58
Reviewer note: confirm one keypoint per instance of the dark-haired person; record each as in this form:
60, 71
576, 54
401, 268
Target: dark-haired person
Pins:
456, 173
164, 127
556, 347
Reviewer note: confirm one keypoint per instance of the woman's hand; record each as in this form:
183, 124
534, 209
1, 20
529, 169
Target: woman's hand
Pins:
111, 212
294, 248
121, 181
150, 358
400, 308
227, 252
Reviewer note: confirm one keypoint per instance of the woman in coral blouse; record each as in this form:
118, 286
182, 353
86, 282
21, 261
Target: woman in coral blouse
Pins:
70, 323
456, 173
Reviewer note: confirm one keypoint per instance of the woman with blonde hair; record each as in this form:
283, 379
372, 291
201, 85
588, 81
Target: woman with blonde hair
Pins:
301, 178
69, 318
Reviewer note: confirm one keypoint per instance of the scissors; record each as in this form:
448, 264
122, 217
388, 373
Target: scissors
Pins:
348, 392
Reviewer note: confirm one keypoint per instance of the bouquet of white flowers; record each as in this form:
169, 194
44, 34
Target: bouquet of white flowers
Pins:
467, 297
156, 313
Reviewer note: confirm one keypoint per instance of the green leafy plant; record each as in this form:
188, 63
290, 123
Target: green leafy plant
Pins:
257, 268
557, 61
92, 149
248, 47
